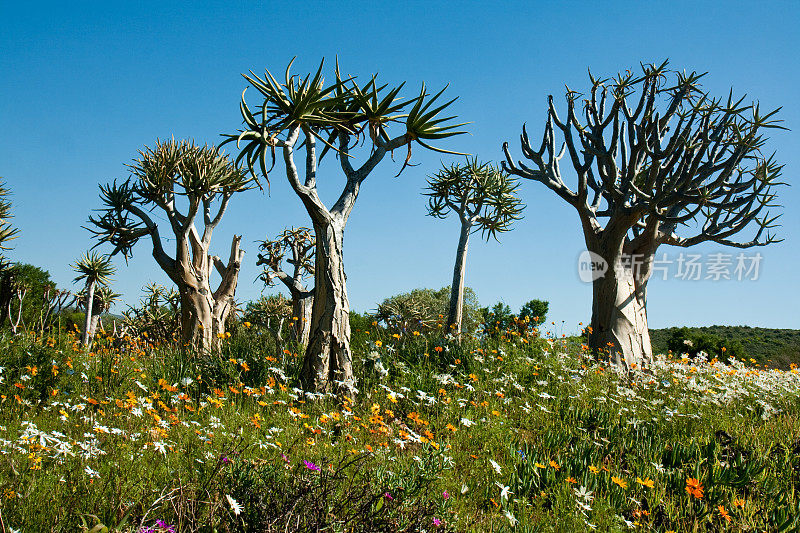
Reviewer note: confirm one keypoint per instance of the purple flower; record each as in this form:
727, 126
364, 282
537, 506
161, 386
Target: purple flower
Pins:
165, 527
224, 460
446, 495
311, 466
388, 496
437, 522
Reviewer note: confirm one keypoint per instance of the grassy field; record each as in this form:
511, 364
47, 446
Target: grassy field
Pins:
520, 433
778, 348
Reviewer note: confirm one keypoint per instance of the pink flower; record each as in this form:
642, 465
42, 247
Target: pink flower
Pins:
437, 522
446, 495
311, 466
388, 496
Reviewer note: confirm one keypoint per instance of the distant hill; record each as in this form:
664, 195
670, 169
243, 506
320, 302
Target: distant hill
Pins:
777, 348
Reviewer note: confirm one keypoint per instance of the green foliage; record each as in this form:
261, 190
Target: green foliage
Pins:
499, 319
424, 310
267, 310
156, 316
480, 194
353, 494
685, 341
777, 348
7, 231
38, 285
341, 108
171, 169
94, 268
535, 311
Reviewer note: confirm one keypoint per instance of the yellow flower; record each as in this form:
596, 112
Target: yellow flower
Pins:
247, 324
593, 469
647, 482
378, 344
619, 481
555, 465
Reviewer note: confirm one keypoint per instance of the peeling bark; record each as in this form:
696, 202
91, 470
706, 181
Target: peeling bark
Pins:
203, 312
301, 314
619, 310
328, 363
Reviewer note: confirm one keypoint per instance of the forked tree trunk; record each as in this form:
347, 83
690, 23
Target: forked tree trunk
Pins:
87, 324
203, 312
203, 317
456, 312
328, 362
301, 314
619, 311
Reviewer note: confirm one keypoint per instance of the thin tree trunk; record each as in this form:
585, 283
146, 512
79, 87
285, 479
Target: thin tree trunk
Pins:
15, 325
328, 362
456, 311
90, 286
619, 312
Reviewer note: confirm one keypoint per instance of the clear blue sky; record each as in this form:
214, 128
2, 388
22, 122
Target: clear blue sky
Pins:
84, 85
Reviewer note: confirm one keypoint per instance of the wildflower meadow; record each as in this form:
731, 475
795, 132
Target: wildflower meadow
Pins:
511, 432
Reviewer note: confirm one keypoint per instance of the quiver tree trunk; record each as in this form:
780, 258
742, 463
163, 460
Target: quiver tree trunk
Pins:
6, 295
456, 312
658, 161
94, 326
203, 312
87, 324
302, 305
328, 361
619, 311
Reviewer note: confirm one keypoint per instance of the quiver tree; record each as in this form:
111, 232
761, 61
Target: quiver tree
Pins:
485, 199
423, 311
7, 231
94, 269
203, 180
104, 298
54, 301
296, 115
40, 302
658, 161
156, 316
271, 312
300, 245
